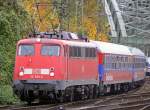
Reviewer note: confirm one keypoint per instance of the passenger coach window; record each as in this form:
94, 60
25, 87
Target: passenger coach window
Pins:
50, 50
26, 50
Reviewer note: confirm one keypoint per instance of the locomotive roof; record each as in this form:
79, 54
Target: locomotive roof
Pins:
58, 41
136, 51
81, 44
106, 47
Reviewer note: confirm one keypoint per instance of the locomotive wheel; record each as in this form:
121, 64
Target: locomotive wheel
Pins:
91, 92
126, 88
22, 97
112, 89
61, 100
68, 96
29, 101
87, 92
44, 101
72, 94
96, 92
62, 97
101, 89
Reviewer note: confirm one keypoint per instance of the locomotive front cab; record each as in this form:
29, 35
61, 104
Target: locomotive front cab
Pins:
38, 68
38, 61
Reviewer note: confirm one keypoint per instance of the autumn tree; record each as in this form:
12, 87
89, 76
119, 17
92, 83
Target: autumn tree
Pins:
80, 16
43, 15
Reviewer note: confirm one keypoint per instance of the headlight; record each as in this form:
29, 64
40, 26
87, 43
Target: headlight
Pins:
52, 74
21, 73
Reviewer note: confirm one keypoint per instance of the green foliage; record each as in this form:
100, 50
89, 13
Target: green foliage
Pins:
14, 23
7, 96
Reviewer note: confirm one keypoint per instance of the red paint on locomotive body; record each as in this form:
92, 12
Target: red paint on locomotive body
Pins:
78, 68
82, 69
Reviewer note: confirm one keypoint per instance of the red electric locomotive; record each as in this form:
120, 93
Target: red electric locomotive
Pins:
55, 69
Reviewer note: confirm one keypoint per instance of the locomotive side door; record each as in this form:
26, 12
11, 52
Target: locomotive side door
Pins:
66, 56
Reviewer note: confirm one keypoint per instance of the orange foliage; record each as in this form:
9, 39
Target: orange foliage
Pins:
44, 16
91, 21
103, 37
90, 28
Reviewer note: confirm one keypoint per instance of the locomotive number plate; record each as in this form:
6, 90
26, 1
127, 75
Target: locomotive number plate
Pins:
36, 71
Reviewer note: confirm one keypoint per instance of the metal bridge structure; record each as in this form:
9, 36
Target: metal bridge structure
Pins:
129, 22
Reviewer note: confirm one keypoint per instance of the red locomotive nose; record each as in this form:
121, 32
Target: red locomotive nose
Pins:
37, 60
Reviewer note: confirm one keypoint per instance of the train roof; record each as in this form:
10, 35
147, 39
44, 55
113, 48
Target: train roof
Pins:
38, 40
58, 41
136, 51
106, 47
81, 44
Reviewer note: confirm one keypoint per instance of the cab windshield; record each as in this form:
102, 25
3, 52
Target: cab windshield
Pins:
50, 50
26, 50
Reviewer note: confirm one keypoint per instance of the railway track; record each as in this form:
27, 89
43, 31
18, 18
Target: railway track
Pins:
55, 106
136, 101
42, 107
93, 104
132, 100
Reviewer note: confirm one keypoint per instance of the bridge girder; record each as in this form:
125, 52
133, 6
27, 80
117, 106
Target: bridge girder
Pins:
129, 22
